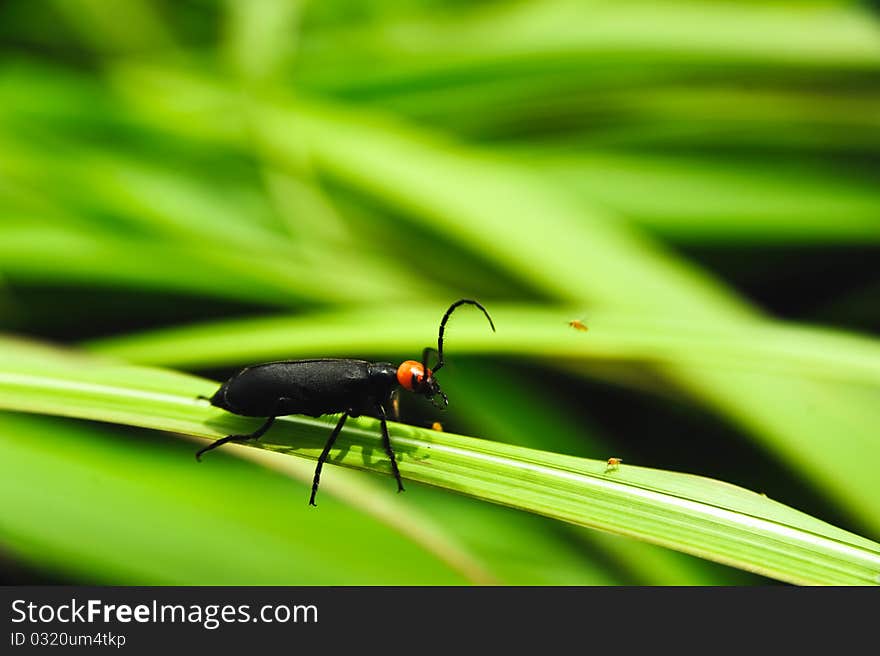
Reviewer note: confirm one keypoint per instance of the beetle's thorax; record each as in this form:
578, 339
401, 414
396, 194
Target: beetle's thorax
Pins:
384, 375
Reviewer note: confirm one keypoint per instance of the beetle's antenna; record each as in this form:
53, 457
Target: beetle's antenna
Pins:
463, 301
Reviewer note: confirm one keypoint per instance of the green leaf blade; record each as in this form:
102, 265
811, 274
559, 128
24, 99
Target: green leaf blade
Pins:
698, 516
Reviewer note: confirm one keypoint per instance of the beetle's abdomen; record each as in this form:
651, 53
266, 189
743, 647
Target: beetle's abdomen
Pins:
307, 387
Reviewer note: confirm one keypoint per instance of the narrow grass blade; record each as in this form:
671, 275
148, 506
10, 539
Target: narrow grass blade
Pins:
707, 518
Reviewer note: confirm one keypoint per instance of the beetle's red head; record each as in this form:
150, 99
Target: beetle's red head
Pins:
417, 378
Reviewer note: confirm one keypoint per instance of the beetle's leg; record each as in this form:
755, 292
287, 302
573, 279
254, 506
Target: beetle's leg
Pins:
386, 441
257, 434
324, 454
236, 438
394, 400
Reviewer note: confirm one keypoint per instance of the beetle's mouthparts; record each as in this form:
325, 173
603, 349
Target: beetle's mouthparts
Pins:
443, 403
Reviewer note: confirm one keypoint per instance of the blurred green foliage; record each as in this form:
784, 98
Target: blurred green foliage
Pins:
697, 181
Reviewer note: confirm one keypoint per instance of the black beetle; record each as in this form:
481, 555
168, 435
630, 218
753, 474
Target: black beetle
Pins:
326, 386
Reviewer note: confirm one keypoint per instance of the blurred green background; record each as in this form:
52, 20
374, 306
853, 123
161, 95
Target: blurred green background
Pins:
696, 181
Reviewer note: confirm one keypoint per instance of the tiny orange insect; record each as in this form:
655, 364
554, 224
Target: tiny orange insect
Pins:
577, 324
437, 426
613, 464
